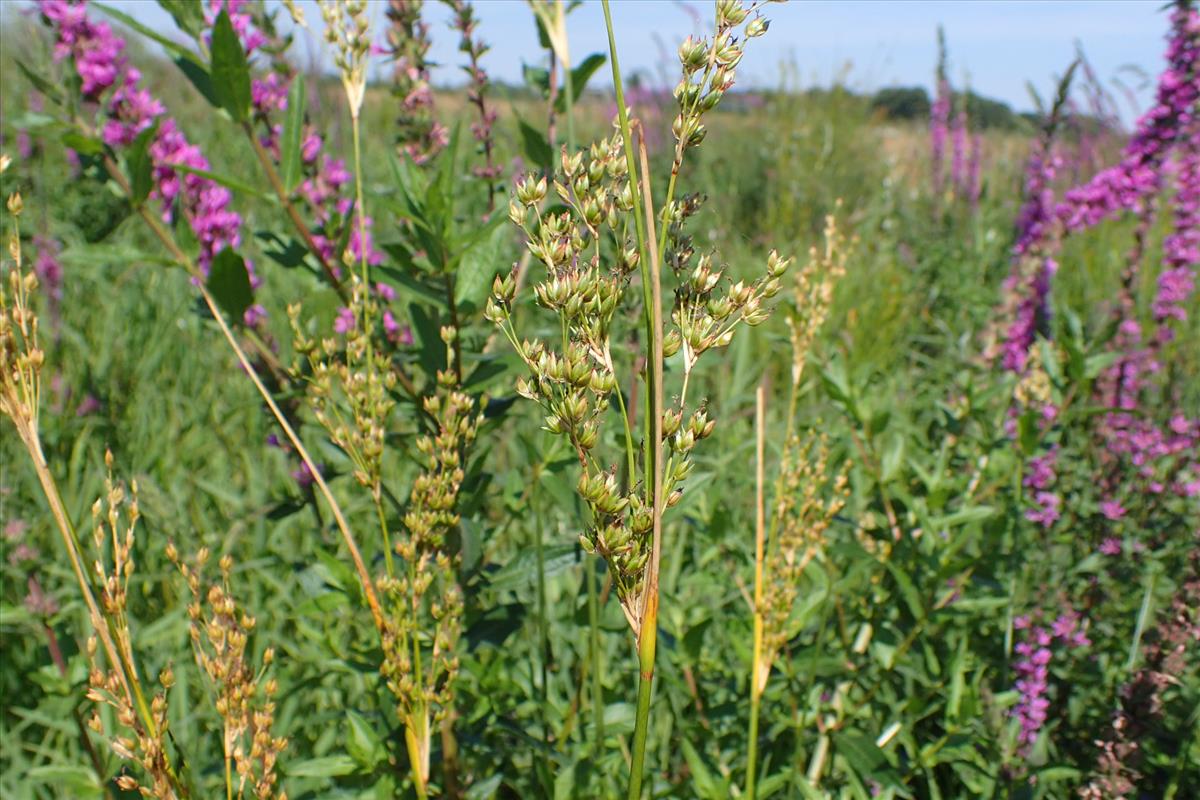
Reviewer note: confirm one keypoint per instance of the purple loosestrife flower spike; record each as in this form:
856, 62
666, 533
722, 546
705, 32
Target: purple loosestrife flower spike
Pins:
1181, 248
939, 119
1128, 184
108, 80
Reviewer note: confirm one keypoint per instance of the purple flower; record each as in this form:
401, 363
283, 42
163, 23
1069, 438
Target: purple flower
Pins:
390, 326
939, 120
48, 268
100, 62
1046, 512
356, 243
1181, 248
240, 19
303, 475
958, 151
344, 322
1040, 471
1033, 671
269, 94
1112, 510
310, 148
1126, 186
87, 406
1111, 546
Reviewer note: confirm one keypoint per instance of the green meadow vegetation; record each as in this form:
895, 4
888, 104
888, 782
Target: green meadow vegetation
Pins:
363, 439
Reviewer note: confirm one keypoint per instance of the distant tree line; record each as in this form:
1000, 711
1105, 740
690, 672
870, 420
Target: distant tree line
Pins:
913, 103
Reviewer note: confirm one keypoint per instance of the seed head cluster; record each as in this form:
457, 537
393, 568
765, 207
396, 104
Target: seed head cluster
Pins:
144, 731
220, 634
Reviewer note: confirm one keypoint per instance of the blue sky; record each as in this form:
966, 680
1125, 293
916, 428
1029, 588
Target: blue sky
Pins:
997, 45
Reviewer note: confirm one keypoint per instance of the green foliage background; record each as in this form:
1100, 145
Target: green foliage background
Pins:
915, 632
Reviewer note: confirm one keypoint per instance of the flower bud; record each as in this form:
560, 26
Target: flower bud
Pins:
671, 343
516, 213
692, 54
757, 27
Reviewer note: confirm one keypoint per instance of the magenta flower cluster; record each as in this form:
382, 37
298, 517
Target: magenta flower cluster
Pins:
1170, 126
326, 183
1181, 248
1033, 670
1148, 449
1039, 479
1126, 185
326, 179
939, 122
108, 80
966, 150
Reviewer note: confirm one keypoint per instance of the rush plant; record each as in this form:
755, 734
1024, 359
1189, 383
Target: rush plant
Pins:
609, 229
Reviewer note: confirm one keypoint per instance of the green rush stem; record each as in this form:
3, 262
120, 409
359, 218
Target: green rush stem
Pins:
169, 243
567, 86
387, 539
543, 630
645, 685
57, 657
648, 634
639, 224
100, 623
362, 242
630, 455
417, 740
757, 665
595, 652
290, 209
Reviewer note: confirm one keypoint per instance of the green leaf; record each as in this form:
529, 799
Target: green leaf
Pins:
439, 198
534, 146
34, 122
964, 516
141, 168
521, 570
486, 788
537, 79
410, 183
1096, 364
43, 85
892, 459
579, 78
364, 744
479, 264
908, 590
1028, 433
229, 284
84, 145
77, 778
293, 134
489, 370
188, 14
863, 756
423, 288
224, 180
702, 779
324, 767
230, 72
773, 783
197, 75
